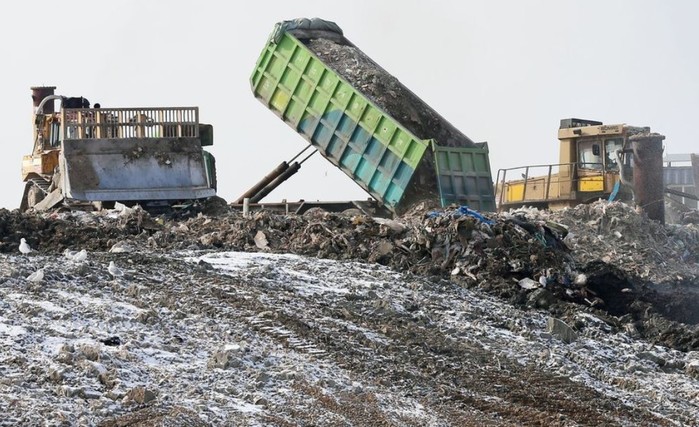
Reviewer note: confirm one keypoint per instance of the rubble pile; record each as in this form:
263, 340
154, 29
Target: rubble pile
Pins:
520, 243
237, 338
602, 256
387, 92
616, 233
449, 310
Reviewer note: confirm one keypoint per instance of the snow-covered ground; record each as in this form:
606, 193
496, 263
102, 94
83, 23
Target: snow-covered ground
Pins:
231, 338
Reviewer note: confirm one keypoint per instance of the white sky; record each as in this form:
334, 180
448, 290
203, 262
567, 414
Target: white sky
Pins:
503, 71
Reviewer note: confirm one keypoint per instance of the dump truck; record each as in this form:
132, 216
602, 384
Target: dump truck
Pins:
85, 155
596, 160
365, 122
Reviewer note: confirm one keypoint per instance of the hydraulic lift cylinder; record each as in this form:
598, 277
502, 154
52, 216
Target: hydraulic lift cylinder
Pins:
263, 182
276, 182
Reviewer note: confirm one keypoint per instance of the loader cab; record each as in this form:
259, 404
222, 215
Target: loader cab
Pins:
599, 153
592, 145
590, 156
594, 161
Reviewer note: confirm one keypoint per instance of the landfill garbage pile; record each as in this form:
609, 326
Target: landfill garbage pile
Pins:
133, 337
441, 317
604, 257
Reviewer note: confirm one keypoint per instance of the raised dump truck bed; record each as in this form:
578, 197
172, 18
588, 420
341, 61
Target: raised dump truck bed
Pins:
366, 123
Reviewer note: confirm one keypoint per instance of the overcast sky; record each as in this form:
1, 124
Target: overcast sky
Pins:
504, 72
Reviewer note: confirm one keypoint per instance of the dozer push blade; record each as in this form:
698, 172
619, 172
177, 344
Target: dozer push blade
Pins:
134, 169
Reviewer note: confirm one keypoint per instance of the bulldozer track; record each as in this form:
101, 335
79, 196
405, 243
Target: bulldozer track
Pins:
286, 336
42, 184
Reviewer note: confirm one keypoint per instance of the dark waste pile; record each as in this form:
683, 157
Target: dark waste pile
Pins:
603, 257
441, 317
388, 92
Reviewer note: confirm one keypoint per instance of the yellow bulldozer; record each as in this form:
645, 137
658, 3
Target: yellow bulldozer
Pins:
86, 155
597, 160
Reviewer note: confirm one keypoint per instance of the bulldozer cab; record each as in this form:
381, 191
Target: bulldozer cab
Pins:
598, 154
592, 155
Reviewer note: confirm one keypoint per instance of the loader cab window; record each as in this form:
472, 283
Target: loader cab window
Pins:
590, 155
610, 148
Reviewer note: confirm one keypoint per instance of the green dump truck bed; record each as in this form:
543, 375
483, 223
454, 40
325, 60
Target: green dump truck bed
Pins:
364, 121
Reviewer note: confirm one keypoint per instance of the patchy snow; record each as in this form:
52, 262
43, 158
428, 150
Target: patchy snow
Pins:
265, 339
301, 275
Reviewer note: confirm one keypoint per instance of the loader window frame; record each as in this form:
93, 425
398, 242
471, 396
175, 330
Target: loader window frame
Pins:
590, 155
610, 146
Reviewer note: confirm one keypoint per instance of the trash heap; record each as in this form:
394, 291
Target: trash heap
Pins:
602, 256
456, 241
387, 92
616, 233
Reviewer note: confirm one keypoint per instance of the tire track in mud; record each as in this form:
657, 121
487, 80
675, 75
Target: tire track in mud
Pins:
467, 377
456, 379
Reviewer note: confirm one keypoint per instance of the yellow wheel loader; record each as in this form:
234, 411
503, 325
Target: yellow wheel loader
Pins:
596, 161
87, 155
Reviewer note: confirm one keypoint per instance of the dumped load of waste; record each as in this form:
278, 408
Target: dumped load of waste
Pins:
387, 92
617, 234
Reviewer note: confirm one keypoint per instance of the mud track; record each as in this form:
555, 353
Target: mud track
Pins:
467, 384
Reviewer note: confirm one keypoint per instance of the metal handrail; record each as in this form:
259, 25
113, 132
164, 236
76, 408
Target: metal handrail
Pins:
83, 123
550, 169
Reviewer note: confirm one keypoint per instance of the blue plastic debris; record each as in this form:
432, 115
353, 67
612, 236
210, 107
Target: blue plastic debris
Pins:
615, 191
461, 211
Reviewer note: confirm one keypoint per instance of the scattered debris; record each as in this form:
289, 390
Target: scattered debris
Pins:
560, 329
529, 284
111, 341
594, 272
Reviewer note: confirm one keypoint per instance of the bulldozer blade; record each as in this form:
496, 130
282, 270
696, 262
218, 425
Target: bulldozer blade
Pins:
145, 169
